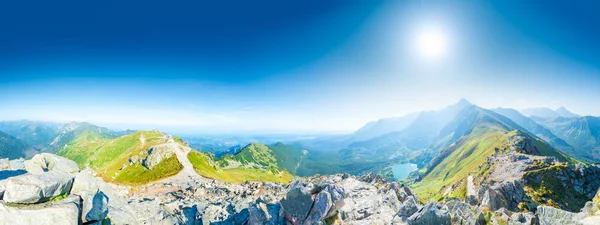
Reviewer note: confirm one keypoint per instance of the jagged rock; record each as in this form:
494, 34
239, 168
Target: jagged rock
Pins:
338, 194
523, 219
501, 216
264, 214
157, 154
460, 212
492, 199
522, 144
430, 214
214, 213
409, 207
297, 203
36, 188
50, 162
479, 217
372, 178
552, 216
65, 211
404, 192
366, 204
472, 200
320, 208
146, 212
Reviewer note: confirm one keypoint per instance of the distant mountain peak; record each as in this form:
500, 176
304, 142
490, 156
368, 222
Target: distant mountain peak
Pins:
463, 102
564, 112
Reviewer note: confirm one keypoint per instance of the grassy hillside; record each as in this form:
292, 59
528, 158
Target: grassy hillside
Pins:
289, 157
253, 156
206, 165
461, 160
107, 156
119, 159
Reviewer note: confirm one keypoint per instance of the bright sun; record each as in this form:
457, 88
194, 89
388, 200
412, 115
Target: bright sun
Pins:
431, 43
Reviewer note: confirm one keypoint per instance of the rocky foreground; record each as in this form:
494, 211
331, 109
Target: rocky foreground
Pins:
50, 189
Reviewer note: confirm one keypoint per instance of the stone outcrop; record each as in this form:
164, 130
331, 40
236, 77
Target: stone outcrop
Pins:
522, 144
548, 216
65, 211
36, 188
408, 207
43, 162
431, 213
157, 154
308, 203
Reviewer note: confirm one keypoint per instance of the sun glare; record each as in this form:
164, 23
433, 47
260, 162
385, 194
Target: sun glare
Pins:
431, 43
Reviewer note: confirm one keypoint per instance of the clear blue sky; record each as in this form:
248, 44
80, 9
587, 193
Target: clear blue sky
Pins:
289, 65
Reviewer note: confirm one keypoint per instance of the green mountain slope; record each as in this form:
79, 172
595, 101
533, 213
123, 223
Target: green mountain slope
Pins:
289, 156
479, 134
255, 162
583, 133
109, 156
12, 148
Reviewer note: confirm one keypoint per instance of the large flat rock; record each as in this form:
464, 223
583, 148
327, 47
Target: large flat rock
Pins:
65, 211
50, 162
36, 188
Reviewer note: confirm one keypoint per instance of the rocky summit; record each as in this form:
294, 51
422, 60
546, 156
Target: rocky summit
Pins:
50, 190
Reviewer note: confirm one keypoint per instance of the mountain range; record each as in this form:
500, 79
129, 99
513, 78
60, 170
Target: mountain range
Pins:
544, 112
457, 149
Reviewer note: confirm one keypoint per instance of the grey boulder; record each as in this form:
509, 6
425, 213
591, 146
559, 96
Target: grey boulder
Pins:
430, 214
320, 208
409, 207
297, 203
65, 211
549, 216
36, 188
157, 154
43, 162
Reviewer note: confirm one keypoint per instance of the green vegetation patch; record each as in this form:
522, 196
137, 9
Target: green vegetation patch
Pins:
205, 165
545, 187
138, 174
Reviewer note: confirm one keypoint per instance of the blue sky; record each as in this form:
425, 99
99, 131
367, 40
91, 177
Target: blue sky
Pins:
316, 66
